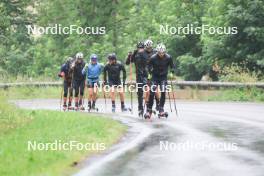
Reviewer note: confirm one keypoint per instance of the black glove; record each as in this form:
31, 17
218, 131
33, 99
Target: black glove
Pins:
59, 75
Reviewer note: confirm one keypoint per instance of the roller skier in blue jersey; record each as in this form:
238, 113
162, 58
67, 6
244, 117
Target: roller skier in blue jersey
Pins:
92, 72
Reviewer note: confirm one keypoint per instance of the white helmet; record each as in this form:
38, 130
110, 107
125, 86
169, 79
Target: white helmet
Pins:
161, 48
148, 43
79, 55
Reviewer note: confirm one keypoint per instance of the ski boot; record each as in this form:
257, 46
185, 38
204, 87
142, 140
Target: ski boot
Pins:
148, 114
124, 109
76, 108
94, 108
113, 109
140, 112
162, 114
157, 107
64, 107
89, 108
81, 105
70, 107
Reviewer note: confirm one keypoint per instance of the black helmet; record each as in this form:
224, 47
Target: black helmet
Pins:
140, 45
112, 56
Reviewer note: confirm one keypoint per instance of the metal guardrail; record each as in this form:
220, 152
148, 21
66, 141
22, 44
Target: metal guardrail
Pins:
181, 84
30, 84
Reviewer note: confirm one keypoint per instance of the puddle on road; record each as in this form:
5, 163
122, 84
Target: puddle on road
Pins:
122, 165
245, 136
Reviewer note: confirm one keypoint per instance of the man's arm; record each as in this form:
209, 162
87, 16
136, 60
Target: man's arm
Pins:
130, 57
85, 69
62, 71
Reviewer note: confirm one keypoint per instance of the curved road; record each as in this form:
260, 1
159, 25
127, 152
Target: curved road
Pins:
208, 139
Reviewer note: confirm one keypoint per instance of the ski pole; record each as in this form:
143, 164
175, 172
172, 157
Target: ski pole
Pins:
61, 96
87, 94
131, 94
175, 107
145, 103
169, 100
104, 95
84, 89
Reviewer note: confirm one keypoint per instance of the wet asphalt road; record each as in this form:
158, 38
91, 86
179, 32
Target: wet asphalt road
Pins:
207, 139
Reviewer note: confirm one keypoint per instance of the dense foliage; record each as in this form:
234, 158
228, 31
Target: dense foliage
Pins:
126, 23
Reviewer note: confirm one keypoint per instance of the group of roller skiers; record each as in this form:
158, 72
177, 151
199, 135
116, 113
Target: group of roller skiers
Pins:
153, 67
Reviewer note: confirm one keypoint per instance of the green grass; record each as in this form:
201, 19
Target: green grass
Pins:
31, 92
17, 127
240, 94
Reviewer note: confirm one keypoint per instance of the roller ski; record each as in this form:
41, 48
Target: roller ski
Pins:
93, 109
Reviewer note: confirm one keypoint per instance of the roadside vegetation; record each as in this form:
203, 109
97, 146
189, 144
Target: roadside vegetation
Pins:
18, 126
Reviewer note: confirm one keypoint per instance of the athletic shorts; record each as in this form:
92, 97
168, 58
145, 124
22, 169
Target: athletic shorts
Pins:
114, 83
91, 83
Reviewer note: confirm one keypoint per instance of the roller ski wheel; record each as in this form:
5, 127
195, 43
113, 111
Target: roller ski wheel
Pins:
82, 108
163, 114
